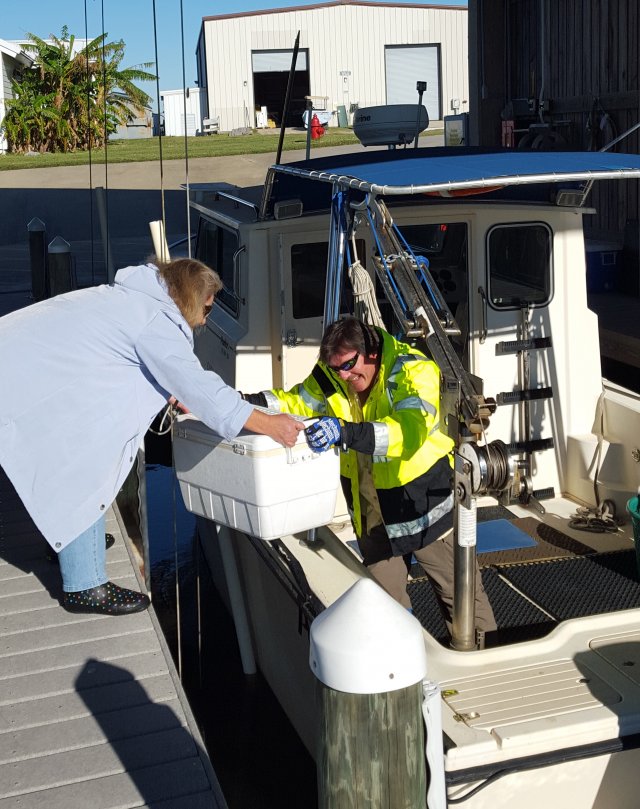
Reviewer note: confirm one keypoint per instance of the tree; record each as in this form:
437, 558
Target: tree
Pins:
70, 101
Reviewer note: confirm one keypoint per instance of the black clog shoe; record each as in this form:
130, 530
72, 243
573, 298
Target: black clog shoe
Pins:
107, 599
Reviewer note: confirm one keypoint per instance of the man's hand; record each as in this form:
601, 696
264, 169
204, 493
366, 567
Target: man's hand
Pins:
323, 434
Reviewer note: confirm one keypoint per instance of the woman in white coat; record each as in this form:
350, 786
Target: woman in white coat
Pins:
83, 375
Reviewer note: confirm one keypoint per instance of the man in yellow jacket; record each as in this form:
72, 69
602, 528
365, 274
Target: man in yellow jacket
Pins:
378, 400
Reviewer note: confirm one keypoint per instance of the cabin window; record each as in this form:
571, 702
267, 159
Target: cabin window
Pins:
217, 248
308, 279
444, 245
519, 265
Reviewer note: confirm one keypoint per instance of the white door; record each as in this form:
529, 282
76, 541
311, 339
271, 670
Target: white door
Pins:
303, 268
515, 278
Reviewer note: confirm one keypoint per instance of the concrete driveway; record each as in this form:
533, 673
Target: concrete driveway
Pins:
62, 198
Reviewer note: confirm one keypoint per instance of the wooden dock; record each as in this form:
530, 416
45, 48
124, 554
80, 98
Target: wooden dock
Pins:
92, 713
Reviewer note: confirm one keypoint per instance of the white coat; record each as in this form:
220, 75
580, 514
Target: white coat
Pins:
82, 377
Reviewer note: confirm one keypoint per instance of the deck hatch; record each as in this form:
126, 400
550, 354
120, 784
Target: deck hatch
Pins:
516, 695
622, 652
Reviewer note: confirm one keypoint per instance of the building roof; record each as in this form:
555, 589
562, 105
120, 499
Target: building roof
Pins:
331, 4
15, 51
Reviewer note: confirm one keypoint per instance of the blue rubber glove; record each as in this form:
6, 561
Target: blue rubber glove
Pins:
323, 434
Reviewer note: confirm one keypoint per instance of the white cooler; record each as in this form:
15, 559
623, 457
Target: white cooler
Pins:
252, 483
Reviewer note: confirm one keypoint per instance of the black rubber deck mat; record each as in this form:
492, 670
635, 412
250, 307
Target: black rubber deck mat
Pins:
550, 544
426, 609
578, 586
517, 619
497, 512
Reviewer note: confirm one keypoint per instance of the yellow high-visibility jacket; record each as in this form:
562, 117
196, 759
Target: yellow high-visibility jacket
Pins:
412, 460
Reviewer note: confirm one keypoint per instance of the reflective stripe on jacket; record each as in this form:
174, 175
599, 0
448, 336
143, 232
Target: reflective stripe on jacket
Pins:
411, 456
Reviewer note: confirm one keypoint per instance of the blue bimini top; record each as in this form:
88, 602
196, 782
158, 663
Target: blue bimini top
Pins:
450, 171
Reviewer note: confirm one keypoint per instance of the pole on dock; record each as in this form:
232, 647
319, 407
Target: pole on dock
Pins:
59, 261
368, 655
38, 258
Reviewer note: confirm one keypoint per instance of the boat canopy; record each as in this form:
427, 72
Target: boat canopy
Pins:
453, 172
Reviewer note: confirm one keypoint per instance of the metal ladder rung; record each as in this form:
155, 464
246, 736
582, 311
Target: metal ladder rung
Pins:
544, 494
534, 445
515, 396
514, 346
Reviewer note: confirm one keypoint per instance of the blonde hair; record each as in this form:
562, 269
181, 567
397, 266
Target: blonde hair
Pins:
189, 283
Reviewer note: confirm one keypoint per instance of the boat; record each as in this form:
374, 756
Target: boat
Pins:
478, 257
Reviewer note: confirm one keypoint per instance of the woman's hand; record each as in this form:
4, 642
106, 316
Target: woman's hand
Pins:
281, 427
178, 405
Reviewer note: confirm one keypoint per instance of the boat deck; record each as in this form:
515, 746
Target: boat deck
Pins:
92, 712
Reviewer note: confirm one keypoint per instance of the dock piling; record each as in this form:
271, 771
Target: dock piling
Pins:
38, 258
368, 655
60, 264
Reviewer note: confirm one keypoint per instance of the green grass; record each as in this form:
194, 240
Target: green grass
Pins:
173, 148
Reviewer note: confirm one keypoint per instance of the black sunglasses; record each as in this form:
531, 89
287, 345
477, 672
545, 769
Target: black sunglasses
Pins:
346, 366
206, 309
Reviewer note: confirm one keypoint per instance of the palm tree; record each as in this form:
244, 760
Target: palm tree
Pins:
70, 100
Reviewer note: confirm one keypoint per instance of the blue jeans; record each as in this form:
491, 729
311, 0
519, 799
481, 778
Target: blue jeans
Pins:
83, 561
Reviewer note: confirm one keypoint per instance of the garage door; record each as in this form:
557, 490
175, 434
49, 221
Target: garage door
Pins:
406, 65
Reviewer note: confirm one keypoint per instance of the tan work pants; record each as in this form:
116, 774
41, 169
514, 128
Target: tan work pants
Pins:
437, 560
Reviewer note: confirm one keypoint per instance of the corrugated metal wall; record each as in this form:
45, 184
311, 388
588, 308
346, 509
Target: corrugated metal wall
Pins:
339, 38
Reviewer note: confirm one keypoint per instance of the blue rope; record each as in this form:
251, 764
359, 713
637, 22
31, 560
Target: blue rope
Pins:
421, 262
386, 266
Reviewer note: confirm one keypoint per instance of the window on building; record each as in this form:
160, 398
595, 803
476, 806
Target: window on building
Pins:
519, 265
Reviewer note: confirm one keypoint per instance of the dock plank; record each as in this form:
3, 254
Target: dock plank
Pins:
78, 629
58, 681
71, 734
74, 704
100, 648
49, 577
97, 761
165, 782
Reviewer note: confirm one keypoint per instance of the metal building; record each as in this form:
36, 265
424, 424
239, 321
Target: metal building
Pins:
351, 54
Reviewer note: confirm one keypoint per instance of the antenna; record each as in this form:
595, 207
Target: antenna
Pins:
421, 86
287, 97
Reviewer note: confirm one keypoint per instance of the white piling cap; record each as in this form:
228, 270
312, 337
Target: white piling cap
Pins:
367, 643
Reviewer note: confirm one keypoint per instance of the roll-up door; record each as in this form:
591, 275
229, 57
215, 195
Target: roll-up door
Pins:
407, 64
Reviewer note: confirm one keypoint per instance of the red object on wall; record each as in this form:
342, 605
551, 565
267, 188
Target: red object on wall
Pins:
317, 131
